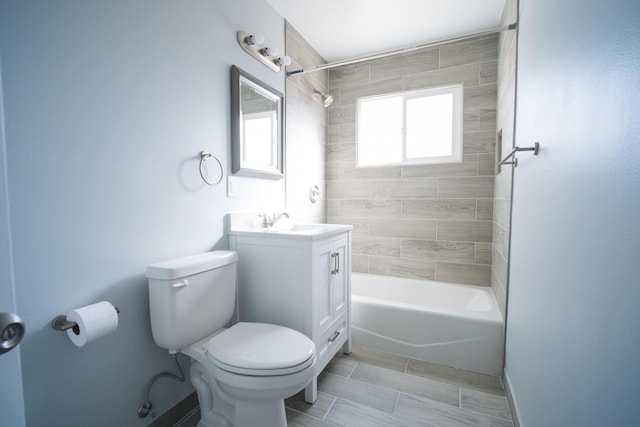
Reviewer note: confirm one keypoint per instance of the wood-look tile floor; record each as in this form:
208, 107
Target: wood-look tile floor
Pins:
371, 389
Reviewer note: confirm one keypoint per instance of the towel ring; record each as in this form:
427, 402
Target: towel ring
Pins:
204, 156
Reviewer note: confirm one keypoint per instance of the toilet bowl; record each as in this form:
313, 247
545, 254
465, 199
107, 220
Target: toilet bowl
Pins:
243, 373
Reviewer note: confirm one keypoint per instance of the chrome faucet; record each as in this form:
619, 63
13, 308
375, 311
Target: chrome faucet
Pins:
268, 221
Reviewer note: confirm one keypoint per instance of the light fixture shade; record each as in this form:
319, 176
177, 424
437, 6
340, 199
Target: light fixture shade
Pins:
283, 61
254, 39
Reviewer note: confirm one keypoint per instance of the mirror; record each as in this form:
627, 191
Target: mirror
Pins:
256, 127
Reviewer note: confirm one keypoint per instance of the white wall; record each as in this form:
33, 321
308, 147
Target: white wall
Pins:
573, 336
107, 106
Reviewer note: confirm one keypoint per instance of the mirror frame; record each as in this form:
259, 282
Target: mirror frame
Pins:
237, 167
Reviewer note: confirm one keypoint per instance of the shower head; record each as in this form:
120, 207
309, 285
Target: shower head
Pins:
326, 99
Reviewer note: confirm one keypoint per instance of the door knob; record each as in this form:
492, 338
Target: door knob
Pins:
11, 331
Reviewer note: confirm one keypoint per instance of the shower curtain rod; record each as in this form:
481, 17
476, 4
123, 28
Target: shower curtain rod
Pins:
399, 51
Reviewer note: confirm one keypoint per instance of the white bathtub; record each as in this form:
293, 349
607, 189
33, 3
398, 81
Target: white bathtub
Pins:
448, 324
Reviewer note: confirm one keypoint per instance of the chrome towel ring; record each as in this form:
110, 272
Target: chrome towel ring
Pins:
203, 157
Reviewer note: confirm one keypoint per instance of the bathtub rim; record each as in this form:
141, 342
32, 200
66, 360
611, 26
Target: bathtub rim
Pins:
490, 316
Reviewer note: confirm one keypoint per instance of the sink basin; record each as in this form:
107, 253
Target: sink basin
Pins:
300, 230
311, 228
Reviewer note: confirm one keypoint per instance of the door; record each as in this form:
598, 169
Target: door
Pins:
11, 398
324, 265
573, 321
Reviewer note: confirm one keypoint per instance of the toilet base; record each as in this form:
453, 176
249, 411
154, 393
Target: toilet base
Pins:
218, 409
266, 413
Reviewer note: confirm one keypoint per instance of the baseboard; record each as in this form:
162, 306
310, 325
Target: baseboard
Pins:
177, 412
512, 402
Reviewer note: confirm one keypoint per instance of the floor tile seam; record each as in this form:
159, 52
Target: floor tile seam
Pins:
427, 400
400, 389
357, 403
460, 384
462, 410
335, 399
362, 405
479, 412
353, 369
451, 371
368, 384
288, 408
486, 390
489, 416
469, 393
395, 405
429, 382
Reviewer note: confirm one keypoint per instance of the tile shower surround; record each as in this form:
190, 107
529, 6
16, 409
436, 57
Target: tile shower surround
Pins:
420, 221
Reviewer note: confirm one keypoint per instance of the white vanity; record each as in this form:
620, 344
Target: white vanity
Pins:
297, 277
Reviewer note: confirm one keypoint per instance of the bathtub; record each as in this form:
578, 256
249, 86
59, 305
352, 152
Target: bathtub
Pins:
454, 325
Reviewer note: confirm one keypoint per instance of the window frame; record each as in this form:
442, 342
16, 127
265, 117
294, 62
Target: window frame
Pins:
457, 92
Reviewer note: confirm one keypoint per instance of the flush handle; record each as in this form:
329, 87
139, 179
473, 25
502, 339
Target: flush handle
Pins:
181, 284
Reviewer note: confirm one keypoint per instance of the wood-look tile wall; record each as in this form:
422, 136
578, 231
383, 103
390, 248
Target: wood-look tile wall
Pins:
429, 221
505, 126
306, 133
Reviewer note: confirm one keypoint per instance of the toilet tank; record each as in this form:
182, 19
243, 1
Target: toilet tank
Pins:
192, 297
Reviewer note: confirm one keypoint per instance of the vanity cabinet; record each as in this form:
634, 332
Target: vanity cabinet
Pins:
301, 281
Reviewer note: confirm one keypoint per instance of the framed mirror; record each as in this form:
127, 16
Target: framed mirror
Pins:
257, 123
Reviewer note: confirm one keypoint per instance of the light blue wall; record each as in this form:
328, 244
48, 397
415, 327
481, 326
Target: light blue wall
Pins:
573, 327
107, 106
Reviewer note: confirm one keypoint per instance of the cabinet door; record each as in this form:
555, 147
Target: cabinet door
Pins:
340, 277
323, 297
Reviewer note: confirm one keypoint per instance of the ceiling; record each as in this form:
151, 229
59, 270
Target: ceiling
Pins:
341, 29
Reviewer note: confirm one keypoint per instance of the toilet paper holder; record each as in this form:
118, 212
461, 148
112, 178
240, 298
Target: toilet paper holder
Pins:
60, 323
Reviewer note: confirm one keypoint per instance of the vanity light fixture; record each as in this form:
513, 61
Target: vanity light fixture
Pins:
253, 44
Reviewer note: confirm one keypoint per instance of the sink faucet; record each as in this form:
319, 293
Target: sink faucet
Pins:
269, 222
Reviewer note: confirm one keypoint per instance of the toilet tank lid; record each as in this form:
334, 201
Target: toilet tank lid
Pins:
186, 266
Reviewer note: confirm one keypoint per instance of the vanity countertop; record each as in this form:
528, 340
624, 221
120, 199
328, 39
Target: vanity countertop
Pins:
296, 231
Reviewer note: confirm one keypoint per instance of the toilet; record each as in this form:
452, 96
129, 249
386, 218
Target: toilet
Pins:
242, 373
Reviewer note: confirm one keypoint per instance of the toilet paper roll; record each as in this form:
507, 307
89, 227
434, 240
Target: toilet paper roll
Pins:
94, 321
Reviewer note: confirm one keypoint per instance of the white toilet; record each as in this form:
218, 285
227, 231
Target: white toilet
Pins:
243, 373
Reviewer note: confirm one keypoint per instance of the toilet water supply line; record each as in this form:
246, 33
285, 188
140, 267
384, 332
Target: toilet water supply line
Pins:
145, 409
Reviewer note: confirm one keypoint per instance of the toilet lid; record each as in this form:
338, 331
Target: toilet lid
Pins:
260, 347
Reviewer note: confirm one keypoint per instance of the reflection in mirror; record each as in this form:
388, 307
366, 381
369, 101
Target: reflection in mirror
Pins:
256, 127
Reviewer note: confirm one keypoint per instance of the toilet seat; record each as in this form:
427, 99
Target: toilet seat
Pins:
260, 349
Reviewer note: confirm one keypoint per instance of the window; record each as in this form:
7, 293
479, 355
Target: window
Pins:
419, 127
260, 136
